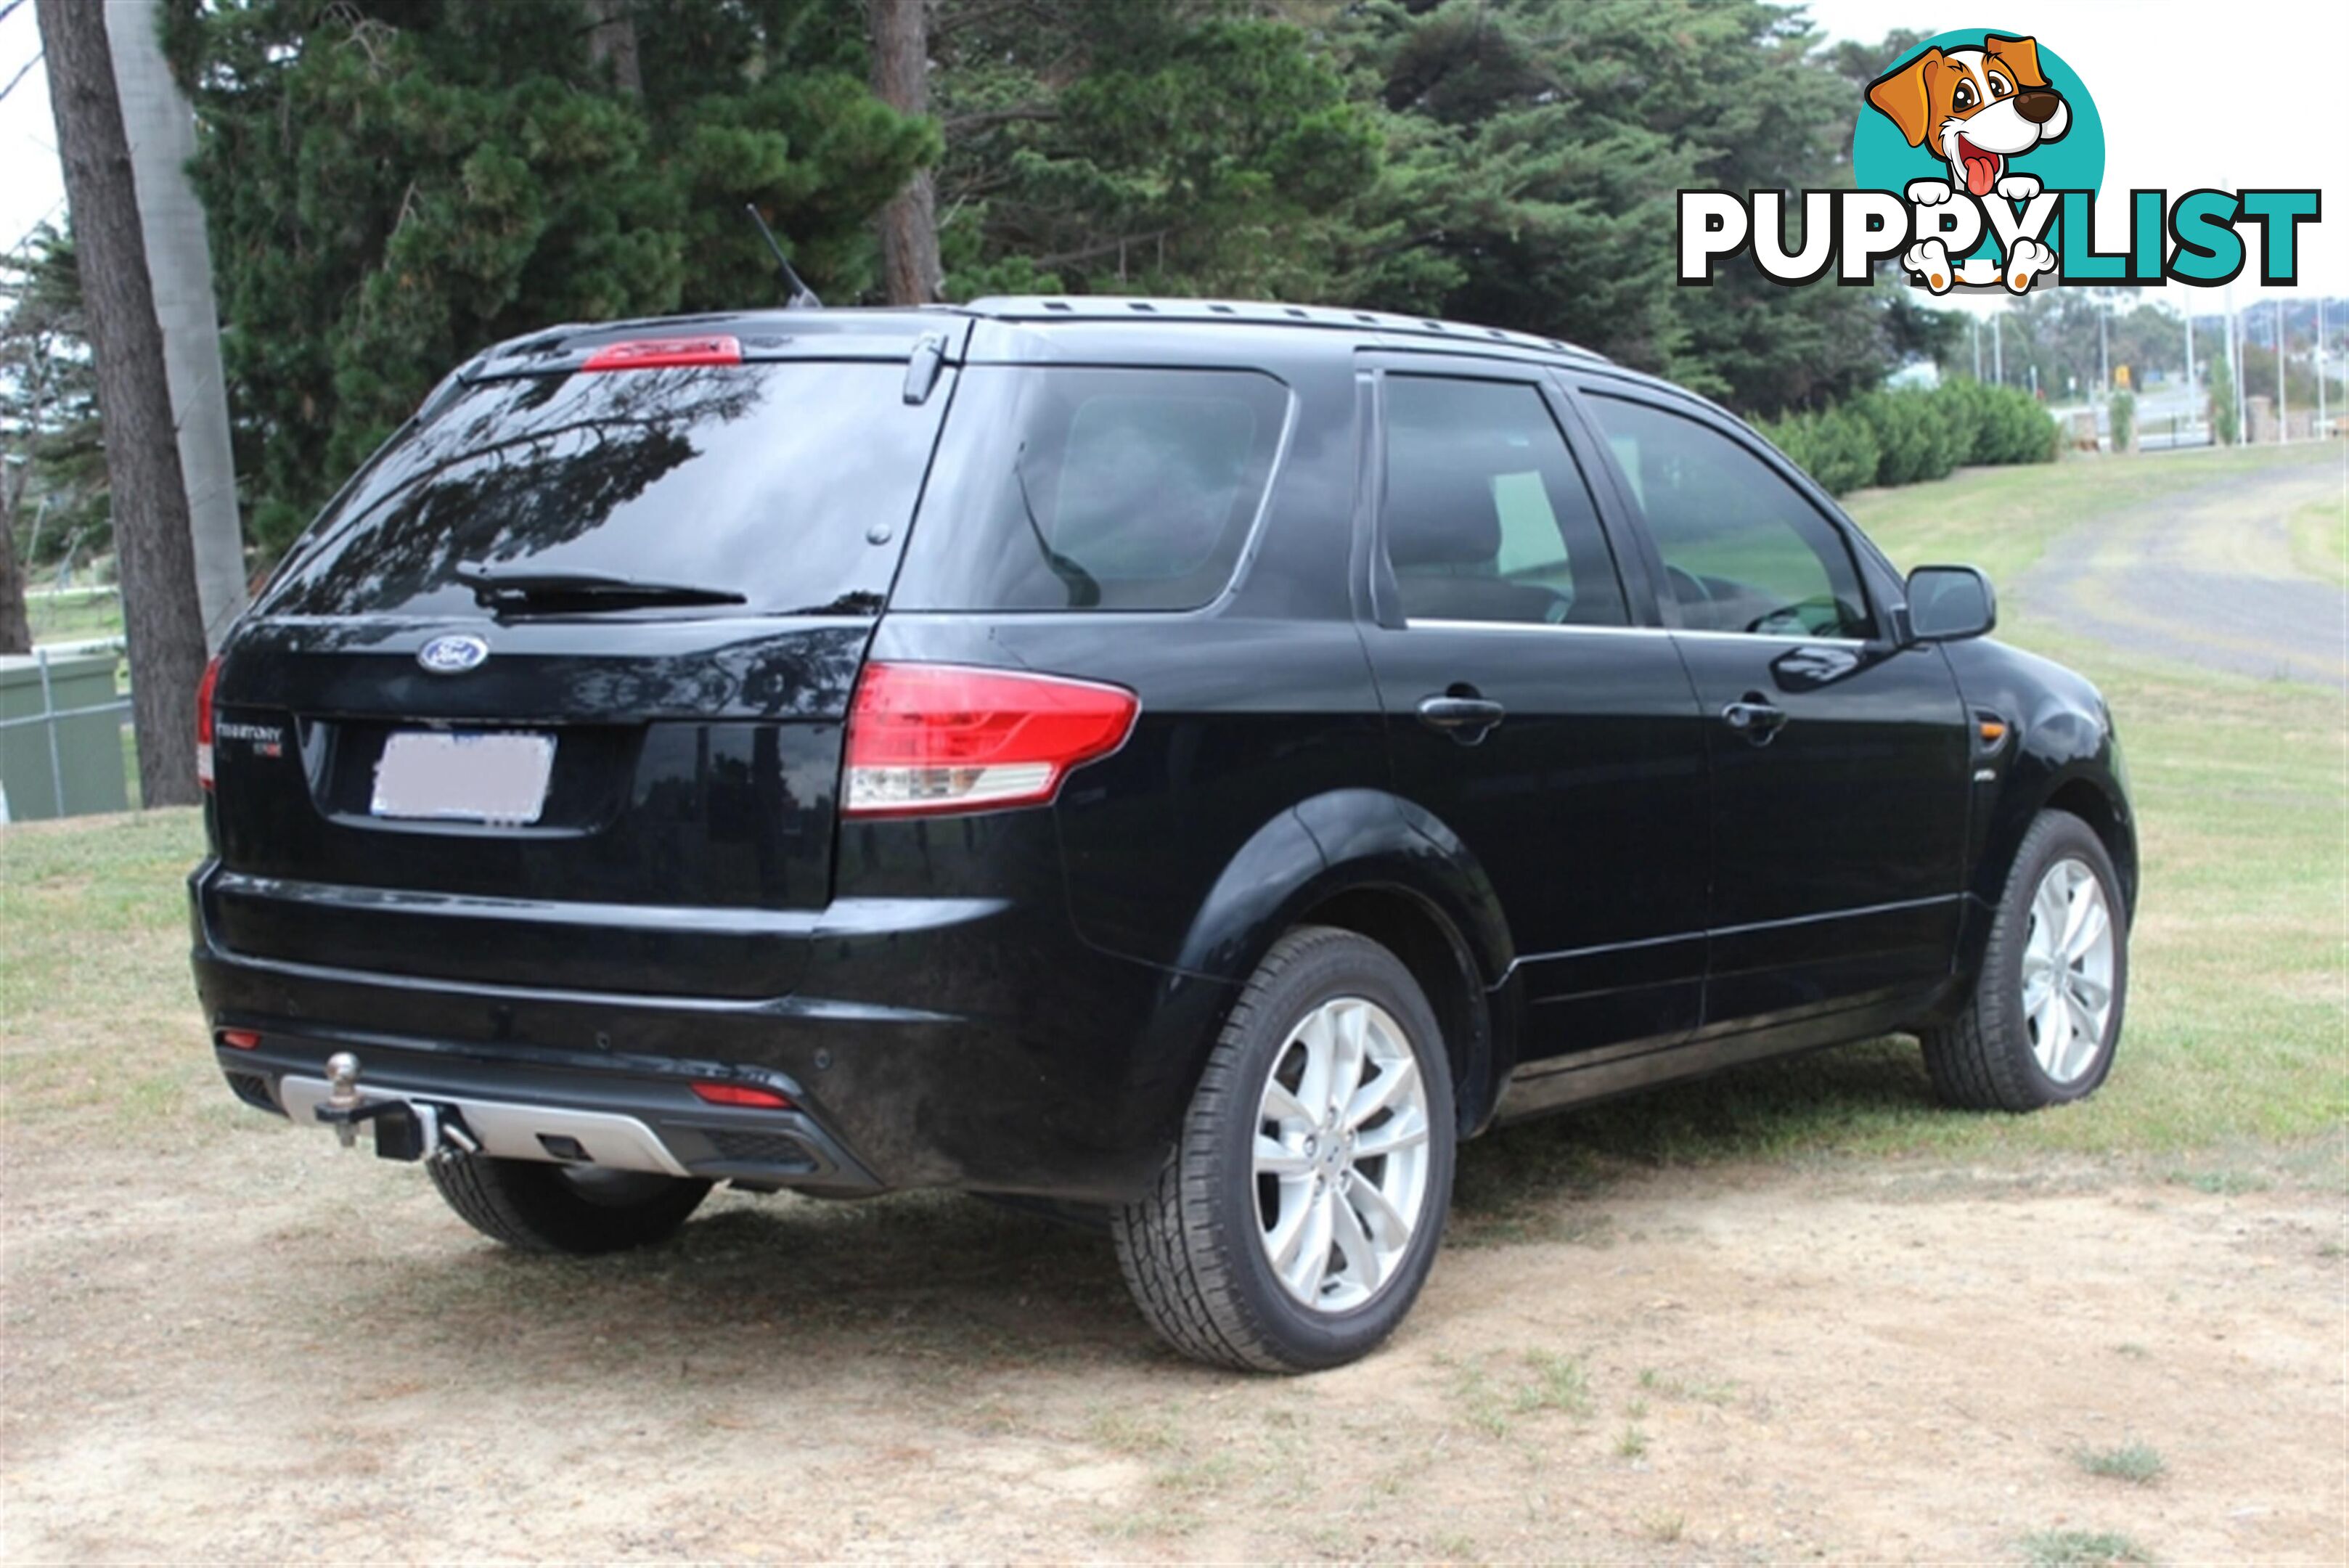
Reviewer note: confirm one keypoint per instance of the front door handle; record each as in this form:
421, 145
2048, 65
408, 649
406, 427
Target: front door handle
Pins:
1464, 717
1755, 718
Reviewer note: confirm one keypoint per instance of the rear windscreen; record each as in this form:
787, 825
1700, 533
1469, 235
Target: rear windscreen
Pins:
792, 485
1065, 488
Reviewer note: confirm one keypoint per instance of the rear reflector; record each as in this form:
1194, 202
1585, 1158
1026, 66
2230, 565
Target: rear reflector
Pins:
742, 1094
664, 353
241, 1039
204, 722
928, 739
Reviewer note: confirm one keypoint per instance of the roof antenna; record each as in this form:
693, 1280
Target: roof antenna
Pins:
803, 296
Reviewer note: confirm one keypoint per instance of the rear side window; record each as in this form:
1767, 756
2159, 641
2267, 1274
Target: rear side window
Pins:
1093, 489
772, 480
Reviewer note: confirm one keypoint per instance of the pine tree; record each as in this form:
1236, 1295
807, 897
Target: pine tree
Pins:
393, 184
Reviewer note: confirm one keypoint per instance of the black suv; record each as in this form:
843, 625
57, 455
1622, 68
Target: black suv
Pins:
1193, 762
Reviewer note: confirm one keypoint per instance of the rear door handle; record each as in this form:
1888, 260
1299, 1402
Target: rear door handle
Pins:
1754, 718
1464, 719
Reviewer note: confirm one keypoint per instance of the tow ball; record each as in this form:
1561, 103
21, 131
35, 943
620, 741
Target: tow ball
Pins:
404, 1129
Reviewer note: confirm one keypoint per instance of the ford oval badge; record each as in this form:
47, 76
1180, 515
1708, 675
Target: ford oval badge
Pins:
452, 655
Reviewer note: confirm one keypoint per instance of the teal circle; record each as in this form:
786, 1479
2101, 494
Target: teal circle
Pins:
1882, 160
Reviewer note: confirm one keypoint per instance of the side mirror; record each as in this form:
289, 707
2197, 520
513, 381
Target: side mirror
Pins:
1950, 604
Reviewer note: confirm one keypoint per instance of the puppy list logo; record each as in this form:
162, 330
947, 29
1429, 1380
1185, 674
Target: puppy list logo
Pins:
1978, 158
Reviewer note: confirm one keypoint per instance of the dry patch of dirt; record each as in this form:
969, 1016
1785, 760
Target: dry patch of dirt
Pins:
260, 1348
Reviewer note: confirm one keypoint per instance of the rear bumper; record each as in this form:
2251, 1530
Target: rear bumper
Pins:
957, 1043
529, 1110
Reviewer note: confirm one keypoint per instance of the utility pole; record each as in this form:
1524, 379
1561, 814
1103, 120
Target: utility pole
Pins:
162, 129
161, 618
2324, 421
1997, 353
2281, 432
1975, 321
2192, 404
2103, 352
2235, 363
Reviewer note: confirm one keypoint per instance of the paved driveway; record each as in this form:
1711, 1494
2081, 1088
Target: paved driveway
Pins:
2207, 577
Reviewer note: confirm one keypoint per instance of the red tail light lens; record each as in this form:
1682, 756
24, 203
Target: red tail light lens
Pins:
925, 739
664, 353
241, 1039
204, 722
742, 1094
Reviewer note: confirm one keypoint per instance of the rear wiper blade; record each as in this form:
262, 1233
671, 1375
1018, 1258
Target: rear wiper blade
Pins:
513, 588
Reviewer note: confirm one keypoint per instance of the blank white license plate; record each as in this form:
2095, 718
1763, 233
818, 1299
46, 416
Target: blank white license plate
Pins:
464, 778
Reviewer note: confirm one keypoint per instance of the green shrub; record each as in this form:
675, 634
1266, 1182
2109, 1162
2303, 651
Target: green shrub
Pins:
1900, 437
1834, 447
2122, 411
2007, 425
1916, 439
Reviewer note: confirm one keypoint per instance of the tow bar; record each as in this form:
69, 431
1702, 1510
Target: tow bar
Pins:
404, 1129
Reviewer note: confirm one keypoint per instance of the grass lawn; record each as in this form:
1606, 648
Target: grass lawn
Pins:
2001, 519
2320, 542
2234, 1068
74, 614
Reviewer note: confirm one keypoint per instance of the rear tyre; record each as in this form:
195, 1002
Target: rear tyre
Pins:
1302, 1209
2044, 1017
537, 1207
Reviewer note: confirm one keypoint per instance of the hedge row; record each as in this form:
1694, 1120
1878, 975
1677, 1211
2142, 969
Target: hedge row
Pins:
1900, 438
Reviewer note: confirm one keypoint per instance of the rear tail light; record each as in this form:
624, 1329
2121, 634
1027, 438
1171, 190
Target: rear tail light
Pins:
241, 1039
204, 722
742, 1094
925, 739
664, 353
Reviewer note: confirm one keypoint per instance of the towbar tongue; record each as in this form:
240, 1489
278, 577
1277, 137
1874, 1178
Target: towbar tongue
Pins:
404, 1129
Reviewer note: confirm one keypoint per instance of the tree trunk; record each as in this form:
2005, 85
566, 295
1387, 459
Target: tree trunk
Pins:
612, 39
160, 126
910, 269
149, 501
16, 627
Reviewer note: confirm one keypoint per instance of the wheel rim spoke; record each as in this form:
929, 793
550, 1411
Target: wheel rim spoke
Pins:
1308, 1266
1392, 1137
1280, 1106
1280, 1242
1354, 1244
1381, 1092
1274, 1158
1387, 1223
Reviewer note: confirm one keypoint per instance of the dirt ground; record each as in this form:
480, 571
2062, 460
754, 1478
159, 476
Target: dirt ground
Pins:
266, 1349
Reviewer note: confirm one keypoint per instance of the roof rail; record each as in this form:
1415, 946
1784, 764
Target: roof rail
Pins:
1261, 313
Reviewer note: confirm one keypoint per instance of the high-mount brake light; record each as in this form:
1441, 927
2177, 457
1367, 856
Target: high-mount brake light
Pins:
204, 722
742, 1094
930, 739
666, 353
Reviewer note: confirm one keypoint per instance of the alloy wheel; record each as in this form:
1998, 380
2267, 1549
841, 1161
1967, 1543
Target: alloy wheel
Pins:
2067, 970
1341, 1155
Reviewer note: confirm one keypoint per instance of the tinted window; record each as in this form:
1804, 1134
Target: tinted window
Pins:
759, 479
1080, 488
1742, 549
1487, 515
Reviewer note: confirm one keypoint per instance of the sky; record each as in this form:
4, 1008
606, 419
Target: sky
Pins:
2248, 94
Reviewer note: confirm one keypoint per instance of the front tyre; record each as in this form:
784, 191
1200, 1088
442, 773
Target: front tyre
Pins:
1296, 1222
2045, 1012
537, 1207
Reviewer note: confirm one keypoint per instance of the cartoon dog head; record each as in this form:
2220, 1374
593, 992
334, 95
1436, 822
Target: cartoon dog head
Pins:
1977, 107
